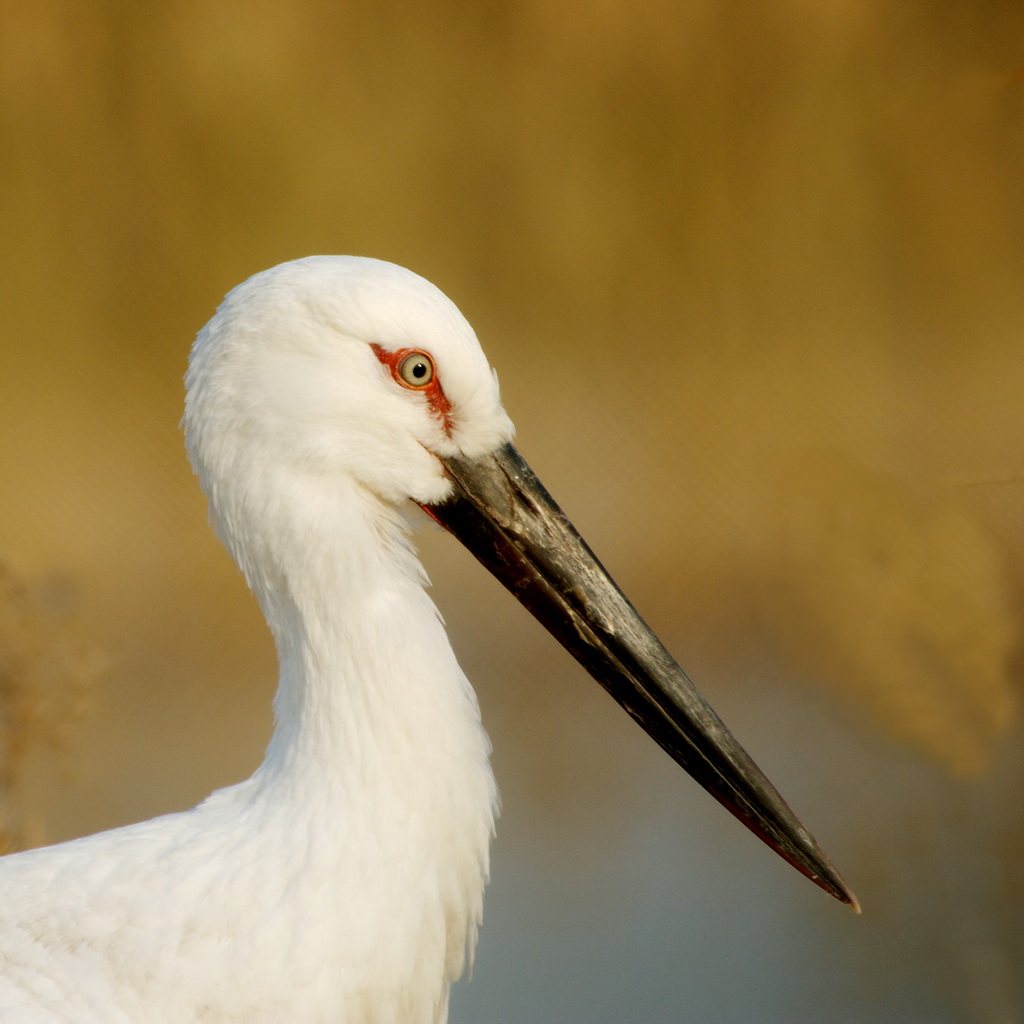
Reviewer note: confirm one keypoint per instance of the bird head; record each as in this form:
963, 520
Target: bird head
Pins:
337, 367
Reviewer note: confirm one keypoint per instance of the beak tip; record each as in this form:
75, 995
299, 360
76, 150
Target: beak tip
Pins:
834, 885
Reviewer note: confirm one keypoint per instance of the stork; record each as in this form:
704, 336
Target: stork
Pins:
343, 882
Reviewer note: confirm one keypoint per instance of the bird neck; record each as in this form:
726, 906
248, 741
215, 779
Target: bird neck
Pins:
369, 683
378, 758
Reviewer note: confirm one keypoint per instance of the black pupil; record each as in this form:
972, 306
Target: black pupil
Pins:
419, 370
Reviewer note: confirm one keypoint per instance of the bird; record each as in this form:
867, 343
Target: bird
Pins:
342, 883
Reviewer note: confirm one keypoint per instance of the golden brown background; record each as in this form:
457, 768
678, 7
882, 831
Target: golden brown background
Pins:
752, 277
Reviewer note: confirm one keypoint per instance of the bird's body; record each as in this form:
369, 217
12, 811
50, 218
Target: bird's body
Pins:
343, 882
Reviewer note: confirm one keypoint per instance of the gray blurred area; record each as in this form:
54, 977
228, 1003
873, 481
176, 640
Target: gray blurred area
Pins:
751, 276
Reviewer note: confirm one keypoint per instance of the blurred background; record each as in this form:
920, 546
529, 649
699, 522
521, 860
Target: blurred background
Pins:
751, 276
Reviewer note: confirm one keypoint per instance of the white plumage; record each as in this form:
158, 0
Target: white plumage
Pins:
343, 882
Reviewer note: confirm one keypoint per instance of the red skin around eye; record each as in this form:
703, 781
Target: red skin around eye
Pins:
436, 397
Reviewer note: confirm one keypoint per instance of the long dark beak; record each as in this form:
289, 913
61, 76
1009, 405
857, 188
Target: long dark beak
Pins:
504, 515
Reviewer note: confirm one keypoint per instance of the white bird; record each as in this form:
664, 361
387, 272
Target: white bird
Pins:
343, 882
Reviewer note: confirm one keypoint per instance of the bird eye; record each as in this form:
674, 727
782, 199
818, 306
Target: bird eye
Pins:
416, 370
